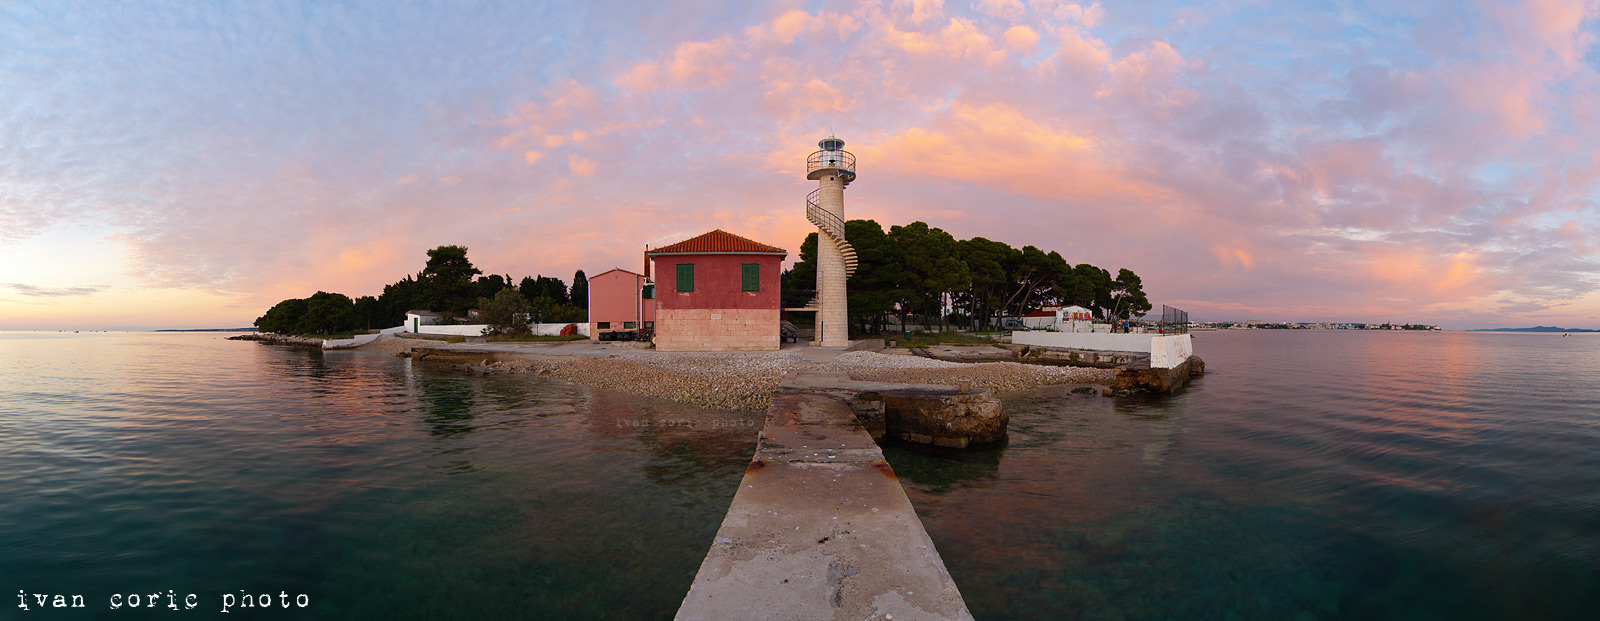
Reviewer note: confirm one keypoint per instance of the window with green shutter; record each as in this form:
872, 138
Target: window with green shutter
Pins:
751, 276
649, 292
686, 277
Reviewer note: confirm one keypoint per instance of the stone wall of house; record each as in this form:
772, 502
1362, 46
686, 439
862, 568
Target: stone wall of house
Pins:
717, 329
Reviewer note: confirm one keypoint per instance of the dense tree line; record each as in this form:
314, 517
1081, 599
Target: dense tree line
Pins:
449, 284
922, 271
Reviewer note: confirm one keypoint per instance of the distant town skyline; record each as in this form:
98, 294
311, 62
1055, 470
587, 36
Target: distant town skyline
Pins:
188, 165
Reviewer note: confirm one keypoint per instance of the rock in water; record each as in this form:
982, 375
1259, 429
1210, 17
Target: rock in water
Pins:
955, 419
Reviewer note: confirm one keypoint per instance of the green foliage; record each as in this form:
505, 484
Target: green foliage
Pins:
366, 310
921, 270
407, 294
488, 286
322, 313
1127, 296
800, 281
924, 339
448, 279
328, 313
990, 265
545, 310
547, 287
579, 296
445, 285
933, 269
878, 283
508, 313
283, 318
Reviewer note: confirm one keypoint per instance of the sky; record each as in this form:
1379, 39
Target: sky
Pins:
189, 164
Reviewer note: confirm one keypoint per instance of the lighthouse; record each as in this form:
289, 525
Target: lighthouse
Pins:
832, 168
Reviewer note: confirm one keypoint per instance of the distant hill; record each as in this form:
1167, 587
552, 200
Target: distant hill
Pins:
1534, 329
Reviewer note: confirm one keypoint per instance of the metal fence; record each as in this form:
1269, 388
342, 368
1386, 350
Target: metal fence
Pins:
1174, 320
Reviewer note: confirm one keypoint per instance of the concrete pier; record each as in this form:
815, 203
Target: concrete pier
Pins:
820, 529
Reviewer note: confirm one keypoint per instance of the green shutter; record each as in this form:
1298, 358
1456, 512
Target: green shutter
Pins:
649, 292
752, 276
686, 277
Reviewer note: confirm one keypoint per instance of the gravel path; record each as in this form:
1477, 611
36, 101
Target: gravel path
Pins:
746, 381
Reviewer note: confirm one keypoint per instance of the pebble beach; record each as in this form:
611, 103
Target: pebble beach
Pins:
745, 381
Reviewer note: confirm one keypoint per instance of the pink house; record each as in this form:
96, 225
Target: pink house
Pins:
620, 300
717, 292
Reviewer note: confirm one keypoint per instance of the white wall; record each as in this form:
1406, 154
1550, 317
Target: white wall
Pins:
1039, 322
554, 329
359, 340
1166, 351
473, 329
1097, 341
412, 319
542, 329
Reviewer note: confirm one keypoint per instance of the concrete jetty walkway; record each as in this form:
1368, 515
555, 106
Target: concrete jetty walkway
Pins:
820, 528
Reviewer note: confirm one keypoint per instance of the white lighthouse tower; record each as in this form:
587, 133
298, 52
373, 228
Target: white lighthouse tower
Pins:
832, 168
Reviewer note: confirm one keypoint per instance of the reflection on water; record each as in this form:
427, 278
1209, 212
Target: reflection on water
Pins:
938, 470
378, 486
1308, 475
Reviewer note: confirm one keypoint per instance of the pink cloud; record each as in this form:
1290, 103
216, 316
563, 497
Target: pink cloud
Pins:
580, 166
1144, 76
1070, 12
1021, 39
919, 11
1371, 183
960, 39
1003, 9
1079, 54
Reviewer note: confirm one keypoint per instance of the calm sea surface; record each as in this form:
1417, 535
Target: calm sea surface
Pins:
1309, 475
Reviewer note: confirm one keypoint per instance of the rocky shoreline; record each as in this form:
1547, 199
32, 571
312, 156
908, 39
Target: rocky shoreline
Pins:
746, 381
272, 338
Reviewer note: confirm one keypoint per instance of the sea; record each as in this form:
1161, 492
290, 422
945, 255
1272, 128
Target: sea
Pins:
1307, 475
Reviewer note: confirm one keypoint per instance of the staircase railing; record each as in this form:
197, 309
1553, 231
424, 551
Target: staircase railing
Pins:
833, 226
842, 160
823, 218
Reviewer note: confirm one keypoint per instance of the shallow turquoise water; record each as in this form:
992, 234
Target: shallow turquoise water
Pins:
1308, 475
378, 488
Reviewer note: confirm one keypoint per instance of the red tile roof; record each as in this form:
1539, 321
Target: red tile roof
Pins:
719, 241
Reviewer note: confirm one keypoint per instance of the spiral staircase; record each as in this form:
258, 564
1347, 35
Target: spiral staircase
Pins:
833, 229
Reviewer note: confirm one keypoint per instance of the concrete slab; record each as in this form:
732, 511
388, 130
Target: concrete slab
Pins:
821, 529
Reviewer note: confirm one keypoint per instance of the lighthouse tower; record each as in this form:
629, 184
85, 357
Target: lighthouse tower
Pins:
832, 168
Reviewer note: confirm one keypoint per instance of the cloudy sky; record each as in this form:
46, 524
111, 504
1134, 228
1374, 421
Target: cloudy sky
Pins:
190, 164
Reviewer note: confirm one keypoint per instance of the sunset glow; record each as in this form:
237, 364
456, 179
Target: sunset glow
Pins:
189, 165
